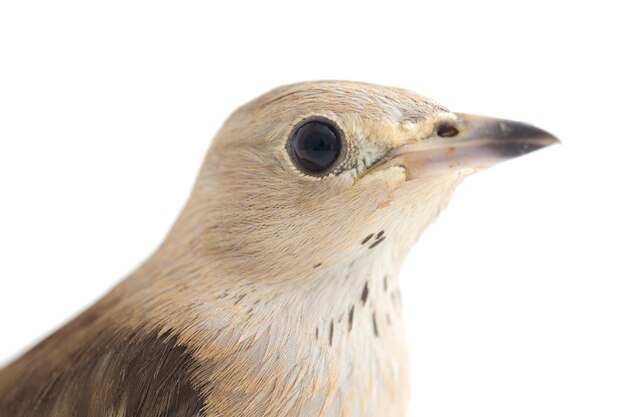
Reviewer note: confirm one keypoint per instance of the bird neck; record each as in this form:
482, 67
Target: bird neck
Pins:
339, 325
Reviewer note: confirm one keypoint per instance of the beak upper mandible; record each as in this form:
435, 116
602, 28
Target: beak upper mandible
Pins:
468, 142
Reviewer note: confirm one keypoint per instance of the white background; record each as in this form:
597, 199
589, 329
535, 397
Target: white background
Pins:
516, 298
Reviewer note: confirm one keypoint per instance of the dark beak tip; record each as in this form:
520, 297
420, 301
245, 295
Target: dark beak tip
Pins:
508, 131
513, 129
529, 138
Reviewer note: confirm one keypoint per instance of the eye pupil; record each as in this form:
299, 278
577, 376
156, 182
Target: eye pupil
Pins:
315, 146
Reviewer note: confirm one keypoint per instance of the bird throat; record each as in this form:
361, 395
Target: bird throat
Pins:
354, 325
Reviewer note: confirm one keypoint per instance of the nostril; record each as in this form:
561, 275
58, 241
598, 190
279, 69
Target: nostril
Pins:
447, 131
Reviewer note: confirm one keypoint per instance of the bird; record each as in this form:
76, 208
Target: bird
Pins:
276, 292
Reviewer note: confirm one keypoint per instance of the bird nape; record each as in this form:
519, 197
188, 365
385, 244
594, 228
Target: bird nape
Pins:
276, 291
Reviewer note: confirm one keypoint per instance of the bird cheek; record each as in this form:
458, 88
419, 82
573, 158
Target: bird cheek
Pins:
388, 179
380, 186
394, 177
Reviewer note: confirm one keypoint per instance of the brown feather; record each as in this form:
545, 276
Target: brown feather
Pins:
91, 368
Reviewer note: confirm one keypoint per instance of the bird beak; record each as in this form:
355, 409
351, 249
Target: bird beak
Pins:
467, 142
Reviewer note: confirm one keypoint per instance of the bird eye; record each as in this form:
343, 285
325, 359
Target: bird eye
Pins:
316, 146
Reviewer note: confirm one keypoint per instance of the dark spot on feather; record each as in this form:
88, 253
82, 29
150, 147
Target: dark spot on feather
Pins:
380, 234
375, 325
364, 241
373, 245
317, 333
241, 297
330, 333
365, 293
350, 318
385, 283
317, 265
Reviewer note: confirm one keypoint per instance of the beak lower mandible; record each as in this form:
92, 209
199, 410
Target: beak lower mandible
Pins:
468, 142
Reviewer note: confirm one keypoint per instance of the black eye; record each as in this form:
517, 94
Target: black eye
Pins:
316, 146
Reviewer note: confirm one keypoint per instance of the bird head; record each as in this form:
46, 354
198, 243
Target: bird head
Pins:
317, 175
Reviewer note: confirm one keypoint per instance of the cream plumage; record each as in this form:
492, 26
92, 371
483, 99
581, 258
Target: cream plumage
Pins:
276, 292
